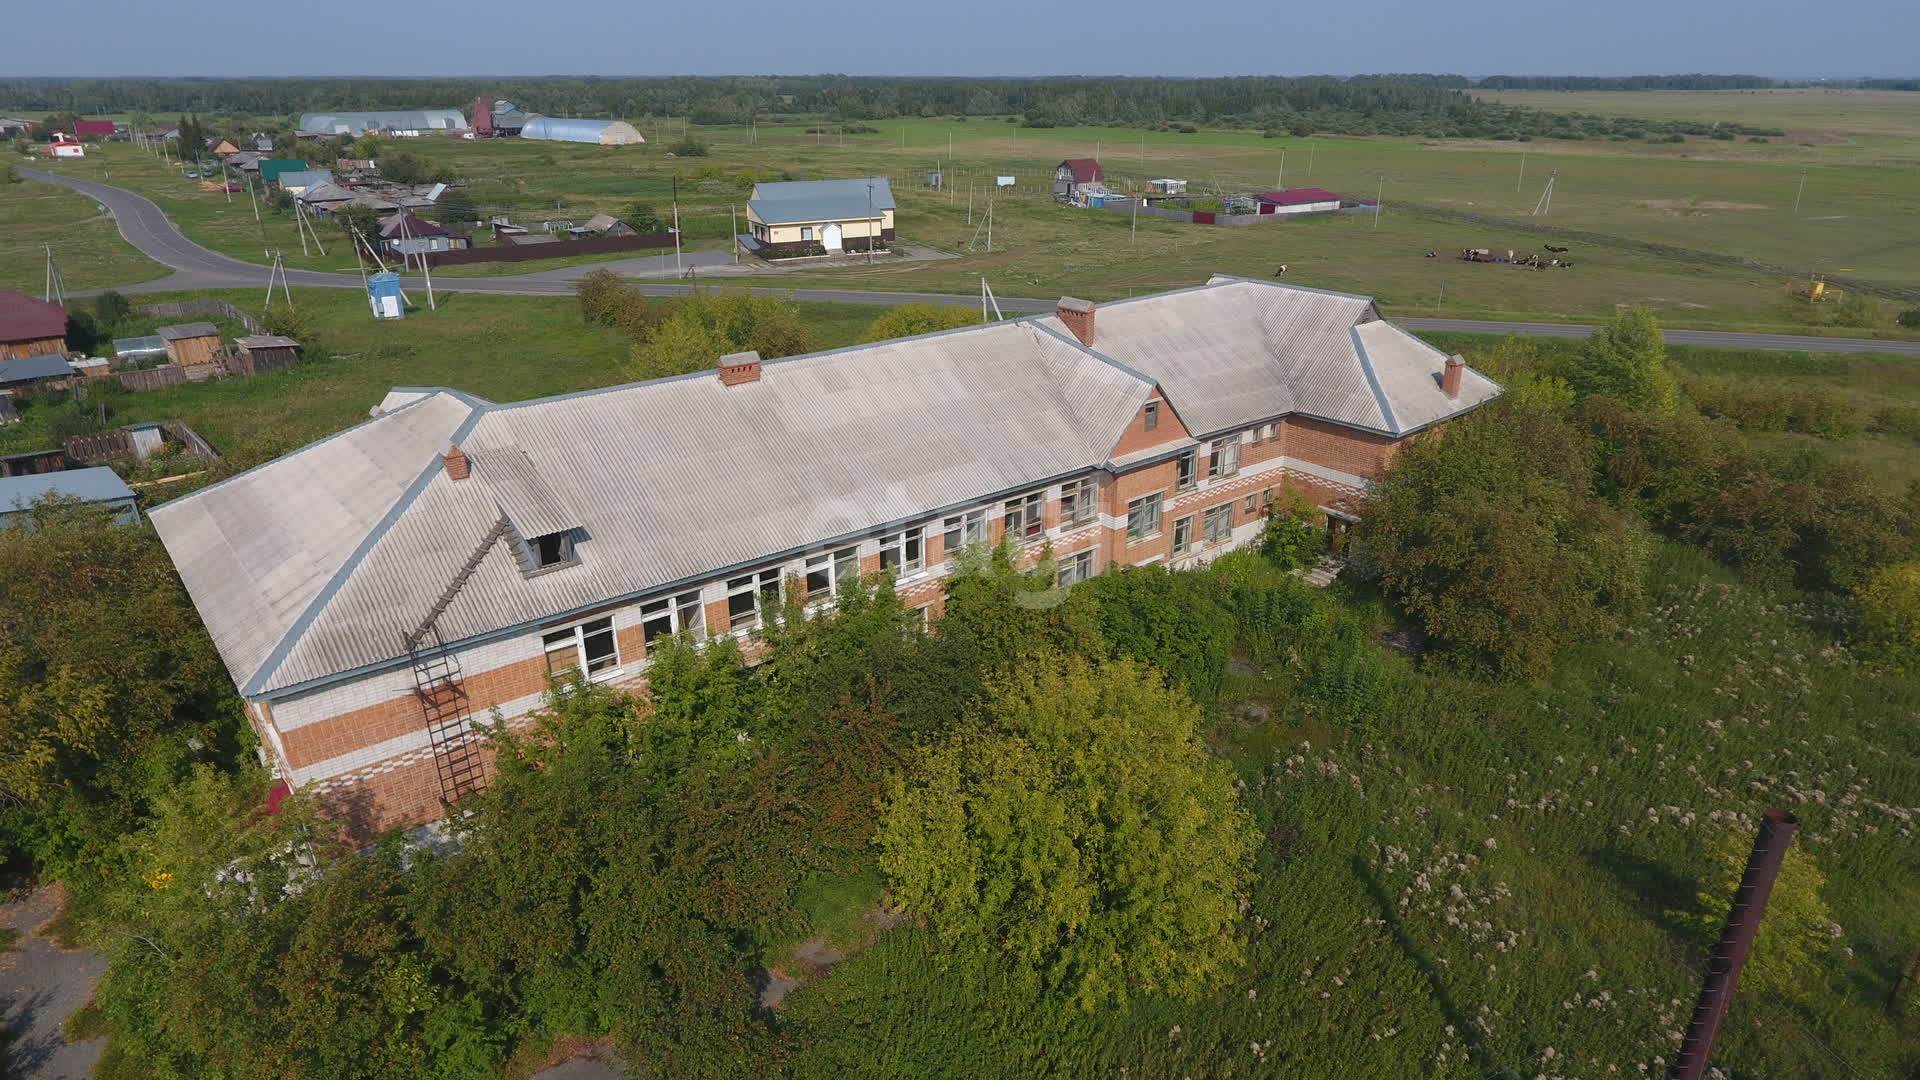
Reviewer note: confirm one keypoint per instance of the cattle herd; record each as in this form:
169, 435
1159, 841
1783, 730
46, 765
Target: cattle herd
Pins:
1537, 262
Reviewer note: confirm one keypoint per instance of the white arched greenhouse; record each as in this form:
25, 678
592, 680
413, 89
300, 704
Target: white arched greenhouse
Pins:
560, 129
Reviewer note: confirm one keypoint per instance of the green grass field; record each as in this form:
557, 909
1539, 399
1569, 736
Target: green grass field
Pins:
505, 348
1821, 114
1855, 217
87, 247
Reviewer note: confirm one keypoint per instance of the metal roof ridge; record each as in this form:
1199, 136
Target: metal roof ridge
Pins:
317, 606
1285, 285
1373, 380
465, 398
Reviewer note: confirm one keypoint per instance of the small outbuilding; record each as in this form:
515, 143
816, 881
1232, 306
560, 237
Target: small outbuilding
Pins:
93, 129
601, 132
1168, 186
272, 168
30, 326
191, 343
64, 146
259, 353
295, 181
405, 234
30, 375
1298, 201
218, 145
99, 486
603, 225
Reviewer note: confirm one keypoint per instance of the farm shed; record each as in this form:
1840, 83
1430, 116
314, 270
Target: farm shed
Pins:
99, 486
191, 343
603, 132
31, 374
135, 347
63, 147
1298, 201
94, 128
354, 123
29, 327
259, 353
1168, 186
324, 199
221, 146
603, 225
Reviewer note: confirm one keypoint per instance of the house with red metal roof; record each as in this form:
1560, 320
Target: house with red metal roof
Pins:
1310, 200
101, 128
30, 327
1075, 176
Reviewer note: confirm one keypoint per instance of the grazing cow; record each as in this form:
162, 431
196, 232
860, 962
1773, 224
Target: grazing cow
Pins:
1550, 247
1281, 270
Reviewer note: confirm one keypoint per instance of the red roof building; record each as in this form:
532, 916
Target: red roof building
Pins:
1083, 170
93, 127
30, 327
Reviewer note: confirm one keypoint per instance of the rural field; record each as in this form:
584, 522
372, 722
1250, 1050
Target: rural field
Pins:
1858, 212
90, 251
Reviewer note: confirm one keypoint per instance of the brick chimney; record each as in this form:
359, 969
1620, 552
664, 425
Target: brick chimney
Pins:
1450, 375
740, 367
456, 462
1077, 314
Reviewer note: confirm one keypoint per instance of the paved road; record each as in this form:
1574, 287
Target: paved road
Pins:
146, 227
42, 985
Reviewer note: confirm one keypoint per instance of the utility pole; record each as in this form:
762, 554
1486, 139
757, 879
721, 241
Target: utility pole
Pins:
1133, 230
676, 224
872, 226
1801, 190
1280, 181
1378, 194
1523, 171
733, 228
989, 224
1310, 149
56, 287
969, 200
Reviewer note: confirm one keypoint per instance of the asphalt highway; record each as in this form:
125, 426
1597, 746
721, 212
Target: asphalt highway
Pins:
146, 227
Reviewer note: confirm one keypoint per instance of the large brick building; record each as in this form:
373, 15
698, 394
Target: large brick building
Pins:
374, 593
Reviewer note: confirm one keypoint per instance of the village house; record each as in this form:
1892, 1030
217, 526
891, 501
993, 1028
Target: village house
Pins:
220, 147
376, 593
295, 181
93, 129
405, 234
814, 217
99, 486
65, 146
1076, 178
29, 327
191, 343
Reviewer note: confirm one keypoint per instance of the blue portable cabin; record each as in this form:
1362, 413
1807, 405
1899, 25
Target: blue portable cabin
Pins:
383, 293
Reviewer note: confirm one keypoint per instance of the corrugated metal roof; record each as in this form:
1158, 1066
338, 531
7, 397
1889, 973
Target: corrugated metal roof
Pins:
188, 330
257, 549
815, 208
567, 129
91, 485
852, 187
305, 178
42, 366
25, 318
132, 346
322, 562
354, 123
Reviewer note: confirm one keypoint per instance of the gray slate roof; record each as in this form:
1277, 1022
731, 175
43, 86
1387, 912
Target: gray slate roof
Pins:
188, 330
852, 187
820, 208
27, 368
317, 564
99, 484
306, 178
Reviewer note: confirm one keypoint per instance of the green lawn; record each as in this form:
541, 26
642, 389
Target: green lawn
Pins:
1733, 198
506, 348
86, 245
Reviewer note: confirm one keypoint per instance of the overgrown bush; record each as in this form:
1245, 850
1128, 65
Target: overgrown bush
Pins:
1890, 614
1775, 407
1291, 539
688, 147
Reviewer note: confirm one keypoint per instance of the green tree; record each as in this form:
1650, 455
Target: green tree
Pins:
708, 325
105, 676
1890, 613
1291, 538
643, 217
360, 221
1627, 357
910, 319
1082, 832
110, 309
1503, 552
455, 205
1797, 931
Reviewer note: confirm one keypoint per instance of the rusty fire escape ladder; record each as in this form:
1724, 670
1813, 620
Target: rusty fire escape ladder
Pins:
439, 684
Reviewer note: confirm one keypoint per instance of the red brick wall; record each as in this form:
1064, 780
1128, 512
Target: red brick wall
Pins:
1137, 437
1332, 446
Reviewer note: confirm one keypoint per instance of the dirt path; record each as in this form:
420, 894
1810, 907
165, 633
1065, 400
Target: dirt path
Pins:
43, 984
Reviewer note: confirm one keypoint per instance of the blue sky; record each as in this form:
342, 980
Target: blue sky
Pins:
989, 37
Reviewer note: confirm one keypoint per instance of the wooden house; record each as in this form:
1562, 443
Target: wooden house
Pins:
30, 327
191, 343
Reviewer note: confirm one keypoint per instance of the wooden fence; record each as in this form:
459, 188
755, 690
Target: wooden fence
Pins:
102, 446
180, 308
598, 245
155, 378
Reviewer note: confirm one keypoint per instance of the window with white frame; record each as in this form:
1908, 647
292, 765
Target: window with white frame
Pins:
1025, 516
1223, 457
671, 615
1219, 524
904, 552
1077, 505
1249, 507
806, 232
1184, 472
588, 648
1183, 535
749, 595
1151, 416
965, 530
1266, 499
829, 571
1075, 568
923, 616
1143, 517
